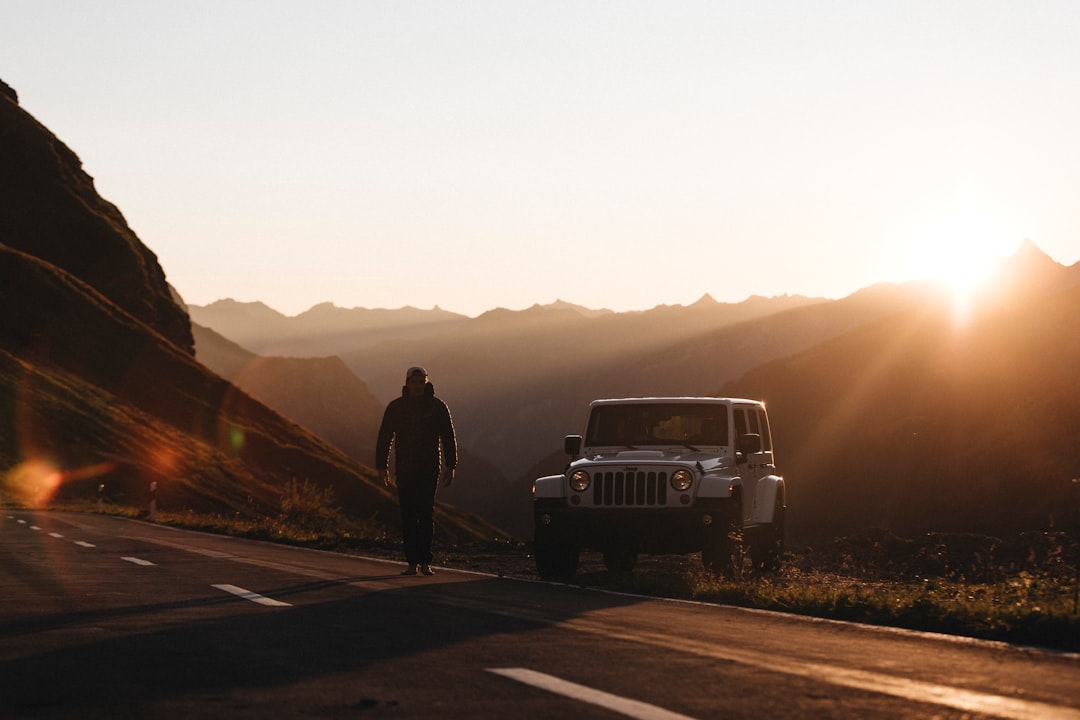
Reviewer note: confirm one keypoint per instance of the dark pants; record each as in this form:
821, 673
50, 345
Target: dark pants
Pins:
416, 496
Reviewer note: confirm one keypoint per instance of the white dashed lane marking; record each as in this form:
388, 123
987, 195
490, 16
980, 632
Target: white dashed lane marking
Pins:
238, 591
253, 597
137, 561
617, 703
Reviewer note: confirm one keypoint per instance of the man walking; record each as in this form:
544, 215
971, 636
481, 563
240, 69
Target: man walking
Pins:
417, 425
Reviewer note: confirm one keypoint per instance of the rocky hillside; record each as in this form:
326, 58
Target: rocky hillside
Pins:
50, 209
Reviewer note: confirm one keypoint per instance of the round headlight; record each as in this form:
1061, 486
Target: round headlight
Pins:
681, 480
579, 480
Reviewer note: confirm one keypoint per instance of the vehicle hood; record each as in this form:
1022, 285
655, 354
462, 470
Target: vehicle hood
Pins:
707, 460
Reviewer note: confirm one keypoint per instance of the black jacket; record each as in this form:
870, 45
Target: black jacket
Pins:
415, 427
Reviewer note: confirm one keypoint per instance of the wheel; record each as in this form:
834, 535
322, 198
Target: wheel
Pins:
723, 551
767, 551
556, 559
620, 558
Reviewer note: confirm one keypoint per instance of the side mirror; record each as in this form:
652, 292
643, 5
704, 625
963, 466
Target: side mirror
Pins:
572, 445
748, 444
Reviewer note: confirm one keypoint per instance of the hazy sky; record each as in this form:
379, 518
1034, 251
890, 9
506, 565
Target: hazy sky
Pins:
475, 155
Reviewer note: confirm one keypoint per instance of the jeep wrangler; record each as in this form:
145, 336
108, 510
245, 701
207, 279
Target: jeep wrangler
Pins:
664, 476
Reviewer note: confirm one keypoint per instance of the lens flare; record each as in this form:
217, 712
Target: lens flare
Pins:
34, 482
236, 439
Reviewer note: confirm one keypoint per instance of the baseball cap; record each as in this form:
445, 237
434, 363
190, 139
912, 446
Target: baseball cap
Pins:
415, 370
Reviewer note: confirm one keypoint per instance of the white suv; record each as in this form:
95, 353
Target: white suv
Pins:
664, 475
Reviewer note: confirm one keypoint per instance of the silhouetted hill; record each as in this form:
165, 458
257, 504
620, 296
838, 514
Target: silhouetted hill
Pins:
97, 379
321, 394
918, 423
580, 309
696, 365
50, 209
219, 353
1026, 273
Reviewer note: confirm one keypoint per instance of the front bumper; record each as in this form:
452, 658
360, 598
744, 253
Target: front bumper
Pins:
650, 530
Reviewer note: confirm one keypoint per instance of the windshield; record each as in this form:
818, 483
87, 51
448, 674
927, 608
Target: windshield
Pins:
658, 424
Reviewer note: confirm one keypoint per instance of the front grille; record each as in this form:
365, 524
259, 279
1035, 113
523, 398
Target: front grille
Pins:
630, 488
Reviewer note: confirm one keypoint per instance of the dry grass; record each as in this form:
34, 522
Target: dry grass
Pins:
1022, 591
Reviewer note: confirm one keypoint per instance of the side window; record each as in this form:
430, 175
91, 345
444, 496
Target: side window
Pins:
766, 436
740, 422
753, 420
752, 416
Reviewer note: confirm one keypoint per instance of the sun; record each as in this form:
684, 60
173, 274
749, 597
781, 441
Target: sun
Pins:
967, 249
960, 249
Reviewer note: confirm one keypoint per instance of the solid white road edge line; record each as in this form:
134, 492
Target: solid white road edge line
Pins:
625, 706
253, 597
908, 689
905, 688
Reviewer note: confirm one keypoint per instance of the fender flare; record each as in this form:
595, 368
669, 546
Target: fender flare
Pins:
549, 486
776, 488
717, 486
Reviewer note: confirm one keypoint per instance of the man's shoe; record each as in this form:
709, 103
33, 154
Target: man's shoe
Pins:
426, 570
411, 570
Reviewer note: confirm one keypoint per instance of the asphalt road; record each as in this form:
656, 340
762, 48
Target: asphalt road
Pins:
103, 617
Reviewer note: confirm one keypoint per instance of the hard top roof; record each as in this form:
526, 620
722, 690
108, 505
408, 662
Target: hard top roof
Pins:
675, 400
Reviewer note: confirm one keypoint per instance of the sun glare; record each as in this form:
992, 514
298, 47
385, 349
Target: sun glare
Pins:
960, 250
